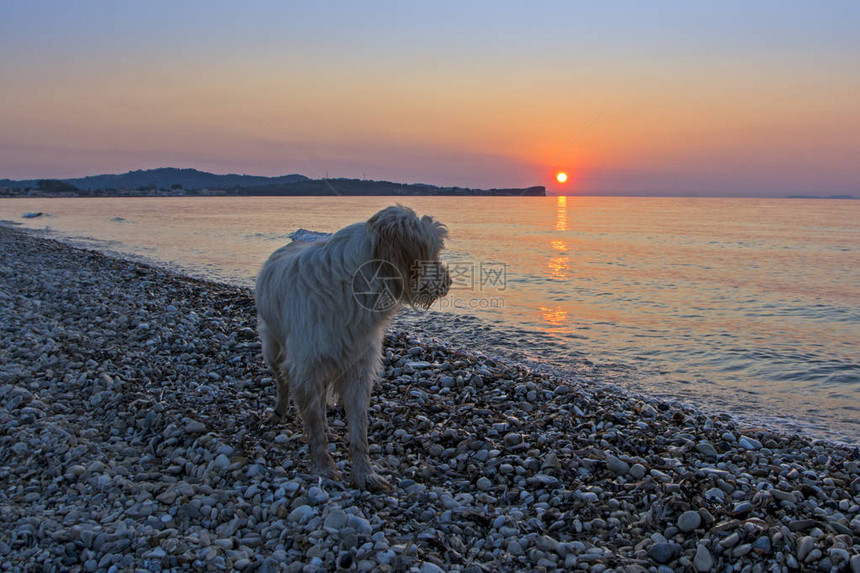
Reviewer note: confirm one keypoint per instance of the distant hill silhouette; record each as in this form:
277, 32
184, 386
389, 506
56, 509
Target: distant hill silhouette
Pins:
821, 197
168, 181
164, 177
358, 187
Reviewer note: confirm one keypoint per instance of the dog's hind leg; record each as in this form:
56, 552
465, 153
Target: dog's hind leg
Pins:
310, 395
275, 356
282, 405
356, 399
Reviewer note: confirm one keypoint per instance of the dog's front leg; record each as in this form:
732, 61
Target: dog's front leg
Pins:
356, 398
311, 401
283, 402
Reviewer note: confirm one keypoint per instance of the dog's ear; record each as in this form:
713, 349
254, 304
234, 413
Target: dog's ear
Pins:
397, 231
436, 232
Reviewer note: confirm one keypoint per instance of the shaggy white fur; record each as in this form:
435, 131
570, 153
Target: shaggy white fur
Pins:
322, 310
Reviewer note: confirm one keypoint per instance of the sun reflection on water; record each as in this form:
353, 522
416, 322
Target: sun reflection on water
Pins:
556, 317
559, 266
561, 213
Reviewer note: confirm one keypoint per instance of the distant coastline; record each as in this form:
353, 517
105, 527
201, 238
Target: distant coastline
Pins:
821, 197
173, 182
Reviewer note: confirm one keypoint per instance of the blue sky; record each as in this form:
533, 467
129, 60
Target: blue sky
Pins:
714, 98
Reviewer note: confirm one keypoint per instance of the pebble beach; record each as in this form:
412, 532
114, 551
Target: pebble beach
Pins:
132, 403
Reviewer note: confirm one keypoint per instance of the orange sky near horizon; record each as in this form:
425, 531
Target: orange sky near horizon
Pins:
684, 121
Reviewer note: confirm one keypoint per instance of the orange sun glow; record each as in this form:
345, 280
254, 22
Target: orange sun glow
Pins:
561, 176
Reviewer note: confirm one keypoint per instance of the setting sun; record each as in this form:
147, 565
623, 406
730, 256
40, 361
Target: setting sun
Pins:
561, 176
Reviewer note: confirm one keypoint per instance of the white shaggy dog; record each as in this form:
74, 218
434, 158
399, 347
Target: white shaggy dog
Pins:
322, 310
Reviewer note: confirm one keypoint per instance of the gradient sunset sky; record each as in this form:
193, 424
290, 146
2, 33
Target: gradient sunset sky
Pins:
697, 98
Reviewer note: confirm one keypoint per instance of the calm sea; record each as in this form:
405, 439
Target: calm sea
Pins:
740, 305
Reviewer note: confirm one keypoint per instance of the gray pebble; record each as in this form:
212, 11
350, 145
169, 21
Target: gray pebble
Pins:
749, 443
689, 520
805, 545
637, 471
703, 560
664, 552
707, 450
302, 514
427, 567
335, 520
616, 465
731, 540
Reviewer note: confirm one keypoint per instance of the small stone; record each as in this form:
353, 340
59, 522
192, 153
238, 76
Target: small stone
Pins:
742, 507
550, 461
855, 564
428, 567
195, 427
335, 520
784, 495
317, 496
689, 520
715, 493
731, 540
749, 443
838, 556
301, 514
360, 524
804, 546
707, 450
703, 560
637, 471
761, 546
660, 476
514, 547
616, 465
802, 524
484, 484
664, 552
543, 480
156, 553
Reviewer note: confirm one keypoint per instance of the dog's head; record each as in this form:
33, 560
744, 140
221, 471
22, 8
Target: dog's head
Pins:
412, 246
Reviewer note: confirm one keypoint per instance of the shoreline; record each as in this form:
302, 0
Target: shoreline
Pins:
503, 342
130, 401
